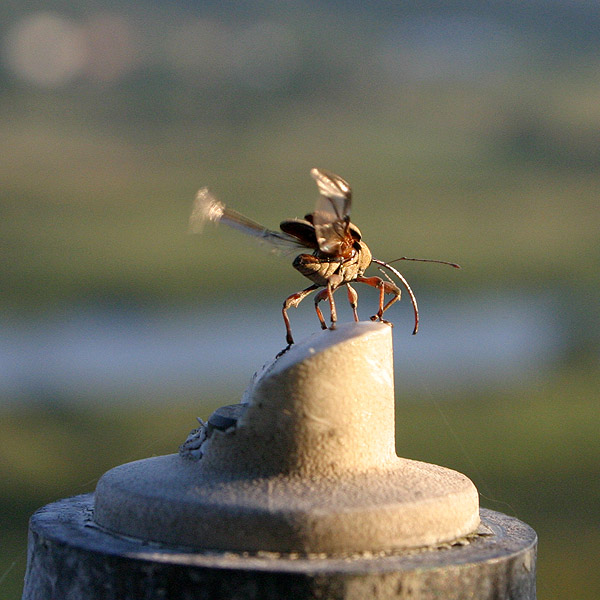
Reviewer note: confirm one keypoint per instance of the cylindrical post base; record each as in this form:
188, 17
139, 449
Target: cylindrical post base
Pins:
71, 557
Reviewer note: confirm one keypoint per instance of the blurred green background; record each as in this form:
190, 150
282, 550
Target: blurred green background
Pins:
468, 131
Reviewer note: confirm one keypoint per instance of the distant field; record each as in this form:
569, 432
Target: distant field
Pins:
101, 211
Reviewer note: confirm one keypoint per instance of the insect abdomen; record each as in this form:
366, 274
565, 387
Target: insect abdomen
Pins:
314, 268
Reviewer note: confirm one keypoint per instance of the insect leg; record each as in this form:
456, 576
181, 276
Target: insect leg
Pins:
330, 289
384, 287
327, 293
321, 296
413, 299
292, 302
353, 299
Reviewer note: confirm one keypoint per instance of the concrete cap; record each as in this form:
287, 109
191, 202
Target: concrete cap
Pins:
309, 465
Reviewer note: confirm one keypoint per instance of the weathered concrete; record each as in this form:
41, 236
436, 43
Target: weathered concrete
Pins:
308, 466
71, 558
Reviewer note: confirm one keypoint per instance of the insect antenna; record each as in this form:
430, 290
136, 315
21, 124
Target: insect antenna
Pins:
441, 262
399, 275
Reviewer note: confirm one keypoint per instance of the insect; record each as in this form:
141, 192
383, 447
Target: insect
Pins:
338, 255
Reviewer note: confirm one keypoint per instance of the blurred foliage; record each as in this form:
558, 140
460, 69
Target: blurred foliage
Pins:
469, 131
86, 210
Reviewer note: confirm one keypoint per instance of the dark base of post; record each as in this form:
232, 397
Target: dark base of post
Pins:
69, 557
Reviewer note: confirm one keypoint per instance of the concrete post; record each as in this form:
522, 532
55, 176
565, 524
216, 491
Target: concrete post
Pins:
296, 492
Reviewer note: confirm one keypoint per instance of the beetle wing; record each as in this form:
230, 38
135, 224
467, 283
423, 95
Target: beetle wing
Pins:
331, 217
207, 208
301, 229
336, 194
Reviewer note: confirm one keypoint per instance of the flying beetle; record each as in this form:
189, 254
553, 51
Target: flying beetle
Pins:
338, 256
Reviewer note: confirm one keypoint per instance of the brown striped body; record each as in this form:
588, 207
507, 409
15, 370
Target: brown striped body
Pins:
322, 269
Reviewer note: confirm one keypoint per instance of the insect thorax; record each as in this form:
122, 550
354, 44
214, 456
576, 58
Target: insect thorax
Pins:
320, 268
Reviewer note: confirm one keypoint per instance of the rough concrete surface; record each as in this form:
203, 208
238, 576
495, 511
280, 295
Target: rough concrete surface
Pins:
310, 466
71, 558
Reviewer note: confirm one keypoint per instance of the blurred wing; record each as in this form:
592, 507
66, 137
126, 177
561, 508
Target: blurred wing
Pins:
207, 208
335, 194
332, 213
